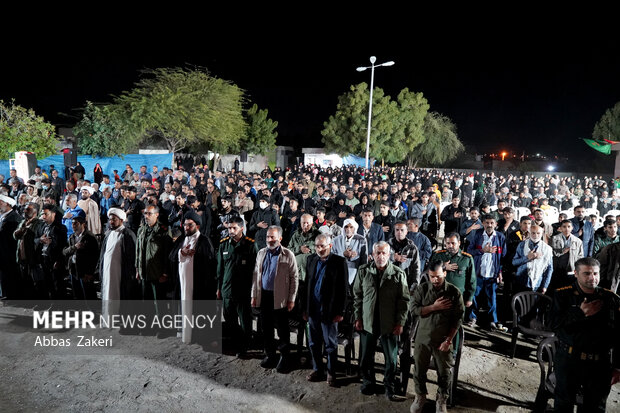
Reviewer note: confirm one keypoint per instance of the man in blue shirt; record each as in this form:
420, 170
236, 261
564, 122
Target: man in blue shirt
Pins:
327, 276
71, 211
274, 288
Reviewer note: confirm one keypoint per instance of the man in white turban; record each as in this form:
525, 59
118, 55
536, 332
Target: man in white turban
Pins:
117, 264
90, 207
352, 246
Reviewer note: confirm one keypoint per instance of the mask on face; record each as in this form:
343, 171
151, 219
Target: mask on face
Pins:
263, 205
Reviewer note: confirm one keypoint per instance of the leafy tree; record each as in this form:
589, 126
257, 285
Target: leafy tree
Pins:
608, 127
101, 133
441, 143
22, 130
413, 109
345, 132
396, 124
261, 135
184, 108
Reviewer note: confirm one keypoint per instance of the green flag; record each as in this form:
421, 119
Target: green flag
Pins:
602, 147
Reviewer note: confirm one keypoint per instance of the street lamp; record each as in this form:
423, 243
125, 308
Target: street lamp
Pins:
372, 66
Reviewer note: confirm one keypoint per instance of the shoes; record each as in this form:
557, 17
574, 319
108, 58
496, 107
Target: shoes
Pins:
418, 404
493, 326
368, 389
331, 380
501, 328
471, 323
392, 396
282, 366
268, 362
315, 376
440, 404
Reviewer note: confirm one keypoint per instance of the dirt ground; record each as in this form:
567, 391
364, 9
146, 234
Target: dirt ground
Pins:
165, 375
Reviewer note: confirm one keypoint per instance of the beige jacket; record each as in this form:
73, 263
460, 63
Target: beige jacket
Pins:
575, 252
286, 280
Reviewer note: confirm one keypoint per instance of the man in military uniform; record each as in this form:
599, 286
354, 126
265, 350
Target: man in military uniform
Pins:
459, 268
405, 256
439, 306
381, 298
235, 262
302, 243
586, 321
153, 245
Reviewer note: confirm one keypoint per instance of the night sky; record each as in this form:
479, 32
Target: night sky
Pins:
526, 84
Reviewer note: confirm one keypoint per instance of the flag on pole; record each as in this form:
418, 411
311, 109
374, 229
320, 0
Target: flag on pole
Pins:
611, 142
602, 147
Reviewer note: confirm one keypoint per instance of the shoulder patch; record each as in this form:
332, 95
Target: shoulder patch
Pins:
224, 239
467, 254
440, 251
568, 287
249, 239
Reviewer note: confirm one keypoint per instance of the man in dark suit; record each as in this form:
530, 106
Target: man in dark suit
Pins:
327, 276
82, 254
582, 229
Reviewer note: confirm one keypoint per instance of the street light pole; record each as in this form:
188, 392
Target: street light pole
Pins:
372, 66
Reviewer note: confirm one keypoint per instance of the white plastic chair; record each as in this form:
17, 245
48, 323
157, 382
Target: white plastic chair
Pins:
551, 215
521, 212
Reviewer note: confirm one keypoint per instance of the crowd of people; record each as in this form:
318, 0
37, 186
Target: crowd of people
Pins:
383, 249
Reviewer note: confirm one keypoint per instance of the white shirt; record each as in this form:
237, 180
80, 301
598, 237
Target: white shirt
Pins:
486, 262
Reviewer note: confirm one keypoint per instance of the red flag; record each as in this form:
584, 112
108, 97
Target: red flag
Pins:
612, 142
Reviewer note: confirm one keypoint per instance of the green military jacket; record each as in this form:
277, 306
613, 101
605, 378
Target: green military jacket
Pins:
392, 292
434, 327
300, 239
602, 242
235, 266
464, 278
153, 245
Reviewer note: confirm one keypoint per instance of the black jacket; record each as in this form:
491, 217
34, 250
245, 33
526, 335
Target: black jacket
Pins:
205, 267
333, 287
85, 258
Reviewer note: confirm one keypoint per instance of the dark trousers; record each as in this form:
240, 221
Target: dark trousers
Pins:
238, 316
83, 290
271, 319
571, 373
154, 299
323, 334
405, 355
368, 344
489, 285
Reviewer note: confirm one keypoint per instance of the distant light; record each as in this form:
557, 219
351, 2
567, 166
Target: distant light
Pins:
551, 168
390, 63
361, 69
537, 154
504, 155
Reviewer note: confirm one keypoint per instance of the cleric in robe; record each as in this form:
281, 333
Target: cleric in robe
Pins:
117, 264
192, 264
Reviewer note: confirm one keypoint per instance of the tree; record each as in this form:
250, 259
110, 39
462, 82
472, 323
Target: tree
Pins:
101, 133
345, 132
608, 127
396, 125
413, 109
441, 143
183, 108
22, 130
261, 135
